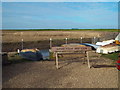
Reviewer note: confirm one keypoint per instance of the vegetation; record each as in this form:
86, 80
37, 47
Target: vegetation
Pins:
112, 56
111, 30
15, 58
51, 56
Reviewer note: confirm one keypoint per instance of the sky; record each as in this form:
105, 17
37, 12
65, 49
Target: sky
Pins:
59, 15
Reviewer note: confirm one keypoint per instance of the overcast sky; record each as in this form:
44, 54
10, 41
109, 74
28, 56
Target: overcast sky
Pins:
59, 15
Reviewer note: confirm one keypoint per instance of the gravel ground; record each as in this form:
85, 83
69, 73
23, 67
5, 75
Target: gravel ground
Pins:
73, 73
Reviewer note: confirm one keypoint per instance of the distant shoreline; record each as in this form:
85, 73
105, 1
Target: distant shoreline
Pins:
112, 30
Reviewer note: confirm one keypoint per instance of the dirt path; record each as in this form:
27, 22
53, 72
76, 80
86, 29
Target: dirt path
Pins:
72, 74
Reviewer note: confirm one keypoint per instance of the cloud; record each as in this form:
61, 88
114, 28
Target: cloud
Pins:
60, 15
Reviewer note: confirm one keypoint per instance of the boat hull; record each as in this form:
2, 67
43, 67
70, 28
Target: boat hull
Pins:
32, 55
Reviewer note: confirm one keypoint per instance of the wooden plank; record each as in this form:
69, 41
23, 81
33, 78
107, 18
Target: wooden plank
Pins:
57, 63
70, 49
83, 52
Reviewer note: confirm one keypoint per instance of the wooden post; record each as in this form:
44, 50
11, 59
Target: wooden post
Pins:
21, 40
56, 61
94, 40
84, 57
22, 43
91, 40
88, 59
18, 51
66, 40
50, 43
21, 34
54, 54
81, 39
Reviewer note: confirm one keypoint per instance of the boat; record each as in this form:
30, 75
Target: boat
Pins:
110, 48
73, 45
117, 39
81, 45
107, 42
31, 54
91, 45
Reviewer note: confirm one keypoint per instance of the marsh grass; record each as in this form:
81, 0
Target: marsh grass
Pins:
112, 56
109, 30
15, 58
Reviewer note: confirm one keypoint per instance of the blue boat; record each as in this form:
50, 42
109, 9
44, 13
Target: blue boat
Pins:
91, 45
85, 44
31, 54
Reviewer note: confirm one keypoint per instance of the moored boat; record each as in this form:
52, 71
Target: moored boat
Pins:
31, 54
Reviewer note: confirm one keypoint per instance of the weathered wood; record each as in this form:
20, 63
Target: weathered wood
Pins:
22, 43
57, 61
71, 53
70, 49
60, 53
88, 59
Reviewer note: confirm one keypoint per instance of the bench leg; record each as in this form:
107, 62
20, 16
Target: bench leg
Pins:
57, 61
88, 60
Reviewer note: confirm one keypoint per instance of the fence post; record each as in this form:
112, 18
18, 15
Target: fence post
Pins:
91, 40
21, 34
66, 40
22, 43
50, 43
18, 51
81, 39
94, 40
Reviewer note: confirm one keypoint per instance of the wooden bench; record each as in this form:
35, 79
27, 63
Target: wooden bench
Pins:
70, 50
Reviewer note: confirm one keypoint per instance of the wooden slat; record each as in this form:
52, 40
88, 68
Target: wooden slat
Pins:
70, 49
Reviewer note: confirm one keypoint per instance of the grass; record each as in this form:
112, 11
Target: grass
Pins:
111, 30
51, 56
112, 56
17, 59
